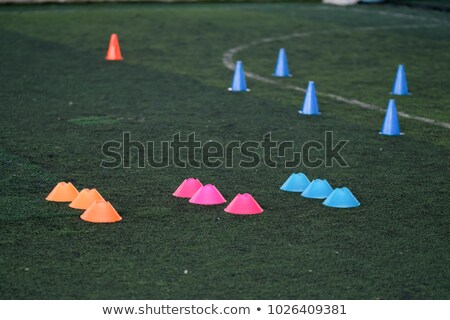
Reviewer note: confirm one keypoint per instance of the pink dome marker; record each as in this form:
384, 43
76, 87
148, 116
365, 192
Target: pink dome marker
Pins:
244, 204
207, 195
188, 188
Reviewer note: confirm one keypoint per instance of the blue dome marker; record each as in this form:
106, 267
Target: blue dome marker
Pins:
318, 189
341, 198
297, 182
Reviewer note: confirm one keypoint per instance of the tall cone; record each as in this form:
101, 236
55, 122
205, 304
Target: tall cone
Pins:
310, 104
391, 125
114, 49
187, 188
400, 87
244, 204
85, 199
101, 212
282, 68
207, 195
63, 192
239, 84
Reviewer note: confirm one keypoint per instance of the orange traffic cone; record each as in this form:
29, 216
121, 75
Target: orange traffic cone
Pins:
85, 198
114, 49
63, 192
101, 212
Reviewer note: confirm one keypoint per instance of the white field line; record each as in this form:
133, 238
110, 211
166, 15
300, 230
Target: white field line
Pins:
401, 15
227, 60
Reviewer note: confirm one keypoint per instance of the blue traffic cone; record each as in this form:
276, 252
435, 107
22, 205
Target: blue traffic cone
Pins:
318, 189
400, 87
391, 126
282, 68
341, 198
310, 105
297, 182
239, 83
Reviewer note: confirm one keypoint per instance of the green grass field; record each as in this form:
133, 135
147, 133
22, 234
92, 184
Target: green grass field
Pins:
60, 101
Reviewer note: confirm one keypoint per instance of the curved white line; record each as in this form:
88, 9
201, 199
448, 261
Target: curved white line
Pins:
227, 60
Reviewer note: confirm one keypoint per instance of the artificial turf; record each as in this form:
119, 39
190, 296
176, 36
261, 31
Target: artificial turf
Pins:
60, 101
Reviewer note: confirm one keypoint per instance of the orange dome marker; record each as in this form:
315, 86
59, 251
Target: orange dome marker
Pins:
63, 192
114, 49
85, 198
101, 212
